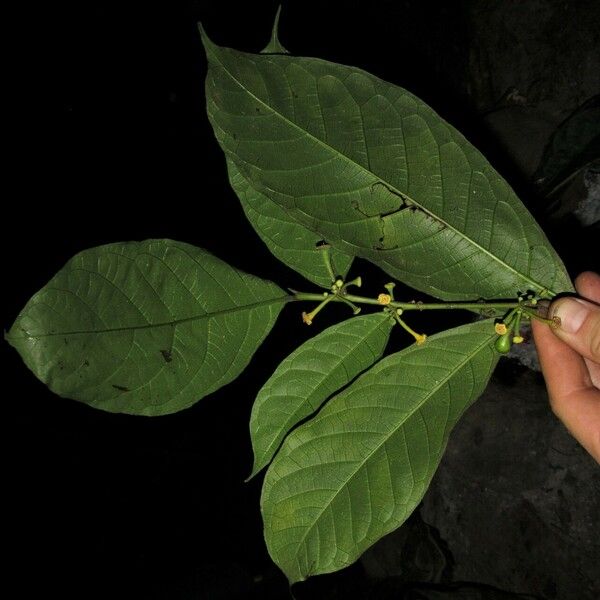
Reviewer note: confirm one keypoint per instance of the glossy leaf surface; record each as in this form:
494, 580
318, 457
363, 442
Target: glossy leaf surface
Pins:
357, 470
144, 327
311, 374
377, 173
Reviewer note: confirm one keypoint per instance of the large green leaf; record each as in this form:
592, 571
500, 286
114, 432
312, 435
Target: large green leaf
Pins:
288, 240
144, 327
309, 375
377, 173
359, 468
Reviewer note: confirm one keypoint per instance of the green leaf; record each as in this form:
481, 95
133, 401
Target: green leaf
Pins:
378, 174
146, 327
309, 375
358, 469
289, 241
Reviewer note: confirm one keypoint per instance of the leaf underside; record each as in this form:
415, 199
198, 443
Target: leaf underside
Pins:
378, 174
359, 468
289, 241
146, 327
307, 377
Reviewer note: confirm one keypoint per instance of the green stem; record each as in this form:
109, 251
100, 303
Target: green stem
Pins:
532, 314
410, 305
419, 337
325, 250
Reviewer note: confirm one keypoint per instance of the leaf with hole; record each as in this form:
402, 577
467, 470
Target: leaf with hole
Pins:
377, 173
146, 327
289, 241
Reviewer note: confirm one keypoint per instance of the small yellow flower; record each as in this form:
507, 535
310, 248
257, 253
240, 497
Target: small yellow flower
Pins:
500, 328
420, 339
518, 339
384, 299
306, 318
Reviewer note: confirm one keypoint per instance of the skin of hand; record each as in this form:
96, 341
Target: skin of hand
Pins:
570, 359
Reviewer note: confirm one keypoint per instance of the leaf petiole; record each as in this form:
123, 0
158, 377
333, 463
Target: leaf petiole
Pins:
532, 314
309, 317
325, 250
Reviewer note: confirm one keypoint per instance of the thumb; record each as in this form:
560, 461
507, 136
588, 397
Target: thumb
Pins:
579, 325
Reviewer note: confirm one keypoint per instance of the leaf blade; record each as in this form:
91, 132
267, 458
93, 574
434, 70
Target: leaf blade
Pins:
378, 174
144, 327
357, 470
309, 375
289, 241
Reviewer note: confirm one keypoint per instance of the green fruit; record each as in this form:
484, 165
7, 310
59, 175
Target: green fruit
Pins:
504, 342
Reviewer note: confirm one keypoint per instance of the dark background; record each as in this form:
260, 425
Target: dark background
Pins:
111, 142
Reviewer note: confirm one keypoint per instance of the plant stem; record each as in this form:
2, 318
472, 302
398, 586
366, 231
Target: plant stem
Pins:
410, 305
419, 337
325, 250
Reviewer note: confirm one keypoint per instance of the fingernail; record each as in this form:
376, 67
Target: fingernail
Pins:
542, 308
572, 312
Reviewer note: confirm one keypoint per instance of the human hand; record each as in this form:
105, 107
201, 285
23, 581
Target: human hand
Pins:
570, 360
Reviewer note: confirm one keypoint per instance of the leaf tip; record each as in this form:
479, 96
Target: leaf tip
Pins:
206, 41
255, 469
275, 46
261, 458
10, 337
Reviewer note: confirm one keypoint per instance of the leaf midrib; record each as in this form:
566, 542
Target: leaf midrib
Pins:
293, 417
282, 300
392, 432
391, 186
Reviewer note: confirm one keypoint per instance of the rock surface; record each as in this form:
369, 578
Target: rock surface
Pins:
516, 499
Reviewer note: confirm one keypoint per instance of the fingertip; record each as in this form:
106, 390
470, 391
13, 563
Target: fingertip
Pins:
579, 325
